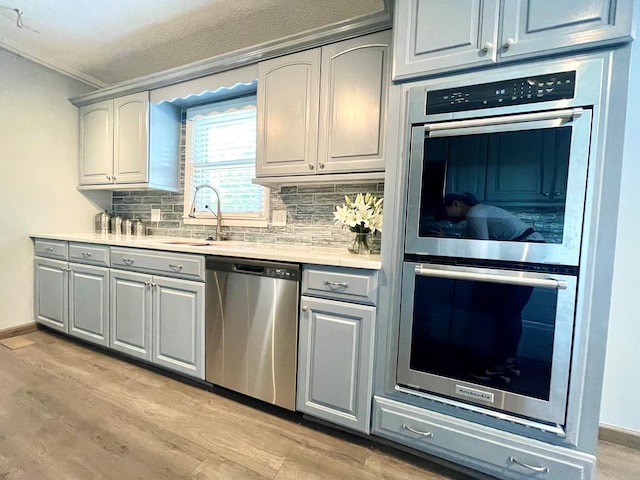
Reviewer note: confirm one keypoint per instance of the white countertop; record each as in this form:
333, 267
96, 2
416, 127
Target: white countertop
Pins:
264, 251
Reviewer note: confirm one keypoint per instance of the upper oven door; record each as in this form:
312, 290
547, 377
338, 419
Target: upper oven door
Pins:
527, 171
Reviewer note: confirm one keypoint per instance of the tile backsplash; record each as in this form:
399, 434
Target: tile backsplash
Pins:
309, 215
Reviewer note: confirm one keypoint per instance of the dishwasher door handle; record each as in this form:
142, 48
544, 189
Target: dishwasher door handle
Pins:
250, 269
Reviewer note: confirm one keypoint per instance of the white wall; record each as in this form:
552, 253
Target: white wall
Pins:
38, 176
621, 388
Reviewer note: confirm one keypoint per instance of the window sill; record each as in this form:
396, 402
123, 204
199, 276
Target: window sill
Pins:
227, 222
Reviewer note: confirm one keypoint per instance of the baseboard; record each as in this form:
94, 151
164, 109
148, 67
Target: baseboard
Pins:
619, 436
19, 330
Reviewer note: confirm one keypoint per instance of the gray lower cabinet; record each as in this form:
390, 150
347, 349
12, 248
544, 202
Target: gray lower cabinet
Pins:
131, 313
51, 293
335, 347
497, 453
89, 303
178, 325
159, 319
335, 361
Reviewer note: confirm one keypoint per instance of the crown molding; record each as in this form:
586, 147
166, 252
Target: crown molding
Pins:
60, 68
291, 44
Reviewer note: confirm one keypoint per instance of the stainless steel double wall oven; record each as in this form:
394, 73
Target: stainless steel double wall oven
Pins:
497, 192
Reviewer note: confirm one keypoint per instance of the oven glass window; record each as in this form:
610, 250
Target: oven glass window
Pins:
490, 334
505, 186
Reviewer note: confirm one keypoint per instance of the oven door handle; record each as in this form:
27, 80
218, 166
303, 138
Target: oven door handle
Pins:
545, 119
492, 277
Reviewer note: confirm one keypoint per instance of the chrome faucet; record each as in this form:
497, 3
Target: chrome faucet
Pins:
217, 214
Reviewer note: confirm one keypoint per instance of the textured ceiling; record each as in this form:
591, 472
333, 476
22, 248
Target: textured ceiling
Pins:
107, 42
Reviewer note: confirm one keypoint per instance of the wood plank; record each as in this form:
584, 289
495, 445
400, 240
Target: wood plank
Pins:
72, 411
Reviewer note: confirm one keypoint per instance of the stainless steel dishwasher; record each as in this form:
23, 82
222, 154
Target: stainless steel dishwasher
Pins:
251, 327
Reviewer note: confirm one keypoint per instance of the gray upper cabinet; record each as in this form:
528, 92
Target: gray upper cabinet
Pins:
96, 143
322, 111
436, 37
114, 147
288, 92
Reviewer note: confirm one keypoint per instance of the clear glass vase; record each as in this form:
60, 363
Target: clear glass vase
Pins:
360, 244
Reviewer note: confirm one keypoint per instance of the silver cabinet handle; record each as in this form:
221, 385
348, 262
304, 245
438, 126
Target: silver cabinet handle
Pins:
491, 278
109, 177
49, 249
153, 284
530, 467
128, 261
175, 267
417, 432
85, 254
113, 179
305, 309
321, 165
311, 167
329, 284
147, 284
486, 46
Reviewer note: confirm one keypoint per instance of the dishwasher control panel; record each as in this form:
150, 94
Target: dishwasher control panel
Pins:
279, 272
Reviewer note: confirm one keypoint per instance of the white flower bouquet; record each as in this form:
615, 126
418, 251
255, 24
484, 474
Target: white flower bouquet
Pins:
362, 215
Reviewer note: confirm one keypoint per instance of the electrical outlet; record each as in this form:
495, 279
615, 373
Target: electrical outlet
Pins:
155, 214
279, 218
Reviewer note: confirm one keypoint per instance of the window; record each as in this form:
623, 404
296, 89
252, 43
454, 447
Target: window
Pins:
221, 152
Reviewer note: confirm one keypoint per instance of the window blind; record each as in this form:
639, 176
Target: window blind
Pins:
223, 154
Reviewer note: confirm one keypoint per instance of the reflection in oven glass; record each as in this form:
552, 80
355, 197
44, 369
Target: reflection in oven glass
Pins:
491, 334
516, 177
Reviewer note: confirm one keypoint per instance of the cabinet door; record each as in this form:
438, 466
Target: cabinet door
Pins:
352, 110
432, 37
287, 116
96, 143
89, 303
537, 26
335, 362
178, 325
130, 149
51, 294
130, 313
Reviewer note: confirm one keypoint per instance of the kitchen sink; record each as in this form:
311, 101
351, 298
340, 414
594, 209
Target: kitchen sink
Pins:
188, 242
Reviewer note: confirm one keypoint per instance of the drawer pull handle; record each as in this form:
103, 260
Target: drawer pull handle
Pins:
417, 432
336, 284
128, 261
175, 267
49, 249
86, 254
530, 467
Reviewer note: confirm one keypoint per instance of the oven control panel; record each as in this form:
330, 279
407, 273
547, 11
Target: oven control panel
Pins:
519, 91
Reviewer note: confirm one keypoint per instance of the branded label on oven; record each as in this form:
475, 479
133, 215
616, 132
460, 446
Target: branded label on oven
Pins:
474, 393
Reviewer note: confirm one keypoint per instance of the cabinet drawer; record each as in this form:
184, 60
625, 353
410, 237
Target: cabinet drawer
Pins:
498, 453
88, 253
52, 249
165, 263
349, 284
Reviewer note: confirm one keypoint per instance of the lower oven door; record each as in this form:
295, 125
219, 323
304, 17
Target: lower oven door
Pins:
486, 336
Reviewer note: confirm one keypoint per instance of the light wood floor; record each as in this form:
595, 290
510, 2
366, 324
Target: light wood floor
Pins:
70, 412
